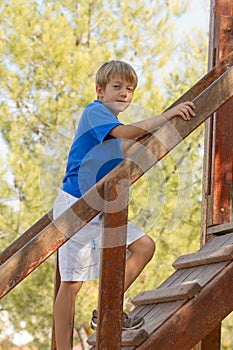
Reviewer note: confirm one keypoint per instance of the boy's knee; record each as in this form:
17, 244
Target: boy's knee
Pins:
150, 247
71, 288
144, 246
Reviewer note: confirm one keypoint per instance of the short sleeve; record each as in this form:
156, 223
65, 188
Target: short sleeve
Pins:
101, 121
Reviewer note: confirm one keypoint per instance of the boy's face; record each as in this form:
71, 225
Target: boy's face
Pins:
117, 95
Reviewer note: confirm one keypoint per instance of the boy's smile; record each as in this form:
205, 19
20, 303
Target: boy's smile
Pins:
117, 95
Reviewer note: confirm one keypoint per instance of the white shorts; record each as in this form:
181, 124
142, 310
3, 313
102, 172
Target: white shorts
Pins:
79, 257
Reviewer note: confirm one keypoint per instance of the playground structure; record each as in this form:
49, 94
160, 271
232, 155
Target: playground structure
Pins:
198, 295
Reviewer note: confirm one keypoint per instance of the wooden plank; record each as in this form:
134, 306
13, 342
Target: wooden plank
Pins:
208, 272
142, 311
220, 229
229, 239
191, 274
112, 264
177, 277
129, 338
177, 292
224, 253
40, 247
142, 159
202, 274
218, 241
156, 315
200, 315
26, 237
223, 240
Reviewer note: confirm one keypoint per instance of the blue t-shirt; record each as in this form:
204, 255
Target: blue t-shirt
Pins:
94, 152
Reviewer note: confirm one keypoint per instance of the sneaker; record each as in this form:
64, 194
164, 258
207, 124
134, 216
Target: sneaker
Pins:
94, 319
128, 323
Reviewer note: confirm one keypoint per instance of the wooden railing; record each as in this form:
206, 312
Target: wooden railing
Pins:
47, 235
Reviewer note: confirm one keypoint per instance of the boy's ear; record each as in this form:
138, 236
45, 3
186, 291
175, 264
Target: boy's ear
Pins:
99, 91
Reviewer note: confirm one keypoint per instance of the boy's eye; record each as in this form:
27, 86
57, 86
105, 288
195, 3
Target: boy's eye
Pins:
118, 86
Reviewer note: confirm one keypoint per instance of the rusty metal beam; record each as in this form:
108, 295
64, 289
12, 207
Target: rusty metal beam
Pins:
223, 136
218, 159
112, 264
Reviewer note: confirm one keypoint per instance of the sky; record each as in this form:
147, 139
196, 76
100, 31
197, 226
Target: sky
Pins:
198, 15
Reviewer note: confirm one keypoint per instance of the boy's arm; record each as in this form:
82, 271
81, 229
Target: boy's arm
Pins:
136, 130
128, 146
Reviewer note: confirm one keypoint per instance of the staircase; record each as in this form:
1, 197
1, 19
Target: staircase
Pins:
189, 304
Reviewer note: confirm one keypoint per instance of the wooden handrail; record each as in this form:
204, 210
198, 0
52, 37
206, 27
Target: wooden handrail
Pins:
220, 229
209, 94
26, 237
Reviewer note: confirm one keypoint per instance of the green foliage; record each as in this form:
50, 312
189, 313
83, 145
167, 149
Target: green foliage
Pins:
50, 51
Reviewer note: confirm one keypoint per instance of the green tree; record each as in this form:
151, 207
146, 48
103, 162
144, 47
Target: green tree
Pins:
50, 52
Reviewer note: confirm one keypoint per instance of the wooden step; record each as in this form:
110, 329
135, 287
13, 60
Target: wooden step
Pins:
130, 338
224, 253
176, 292
220, 229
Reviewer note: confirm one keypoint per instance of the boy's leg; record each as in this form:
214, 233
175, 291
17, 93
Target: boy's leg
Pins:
142, 251
64, 314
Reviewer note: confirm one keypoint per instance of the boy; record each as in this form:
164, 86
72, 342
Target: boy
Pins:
95, 151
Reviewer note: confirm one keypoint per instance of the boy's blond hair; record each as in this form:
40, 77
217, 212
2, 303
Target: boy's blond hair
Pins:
116, 68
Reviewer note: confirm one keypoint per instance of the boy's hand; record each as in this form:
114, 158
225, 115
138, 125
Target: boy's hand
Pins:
185, 110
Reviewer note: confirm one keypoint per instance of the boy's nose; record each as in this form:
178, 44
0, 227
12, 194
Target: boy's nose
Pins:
123, 92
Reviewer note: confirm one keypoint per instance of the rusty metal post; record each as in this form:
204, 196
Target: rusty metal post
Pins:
218, 159
112, 271
218, 168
